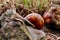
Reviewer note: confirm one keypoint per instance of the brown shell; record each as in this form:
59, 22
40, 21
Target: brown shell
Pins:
36, 19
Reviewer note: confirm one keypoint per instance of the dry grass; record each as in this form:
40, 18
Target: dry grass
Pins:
29, 3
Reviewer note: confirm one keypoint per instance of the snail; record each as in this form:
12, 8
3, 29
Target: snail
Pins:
48, 15
36, 19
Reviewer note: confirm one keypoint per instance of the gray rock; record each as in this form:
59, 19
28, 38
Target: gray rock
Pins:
15, 27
